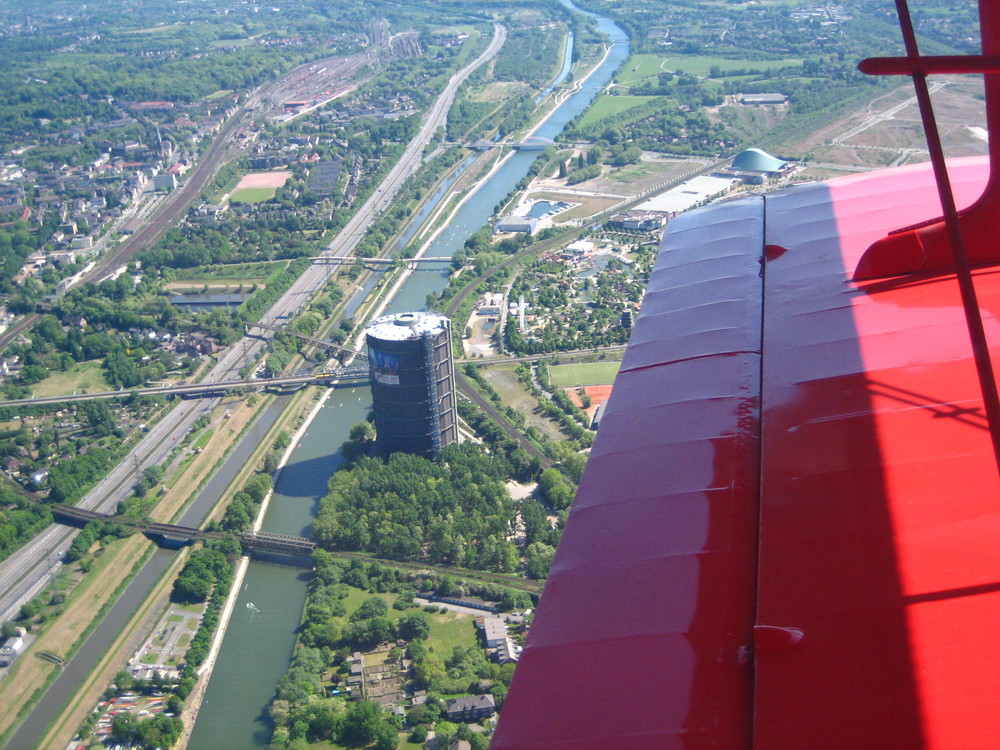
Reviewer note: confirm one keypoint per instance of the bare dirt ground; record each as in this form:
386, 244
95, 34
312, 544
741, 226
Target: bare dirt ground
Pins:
888, 132
263, 180
514, 394
480, 343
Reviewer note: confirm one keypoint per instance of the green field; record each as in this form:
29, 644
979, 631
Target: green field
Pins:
613, 106
154, 29
585, 373
230, 42
85, 377
252, 195
450, 629
639, 68
699, 64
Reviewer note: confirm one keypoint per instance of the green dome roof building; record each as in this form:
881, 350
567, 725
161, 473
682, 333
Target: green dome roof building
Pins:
755, 160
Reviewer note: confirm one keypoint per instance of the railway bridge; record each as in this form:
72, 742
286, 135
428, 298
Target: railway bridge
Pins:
328, 345
169, 535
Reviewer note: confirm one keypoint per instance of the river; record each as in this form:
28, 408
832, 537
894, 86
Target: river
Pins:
257, 648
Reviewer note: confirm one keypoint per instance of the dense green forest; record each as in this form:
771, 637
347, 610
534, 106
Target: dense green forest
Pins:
530, 55
455, 510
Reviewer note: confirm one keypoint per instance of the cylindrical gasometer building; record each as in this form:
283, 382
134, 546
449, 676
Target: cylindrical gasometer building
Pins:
413, 383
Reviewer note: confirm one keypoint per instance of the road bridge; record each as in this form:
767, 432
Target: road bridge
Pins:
379, 262
531, 143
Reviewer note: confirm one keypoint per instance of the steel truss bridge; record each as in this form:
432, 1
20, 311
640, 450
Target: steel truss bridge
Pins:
328, 345
202, 390
176, 536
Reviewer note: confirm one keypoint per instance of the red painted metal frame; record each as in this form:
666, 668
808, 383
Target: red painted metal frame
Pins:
928, 247
878, 519
952, 221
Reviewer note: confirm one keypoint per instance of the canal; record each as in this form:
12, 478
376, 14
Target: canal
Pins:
258, 644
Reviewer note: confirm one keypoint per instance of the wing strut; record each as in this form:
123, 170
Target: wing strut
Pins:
961, 238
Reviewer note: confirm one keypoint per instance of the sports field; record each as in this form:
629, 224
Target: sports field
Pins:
252, 195
258, 187
585, 373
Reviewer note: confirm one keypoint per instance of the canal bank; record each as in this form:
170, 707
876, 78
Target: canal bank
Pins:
256, 651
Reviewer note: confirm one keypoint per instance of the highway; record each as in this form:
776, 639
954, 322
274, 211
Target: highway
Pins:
351, 235
26, 571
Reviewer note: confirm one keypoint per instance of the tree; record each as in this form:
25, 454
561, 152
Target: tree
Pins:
191, 589
445, 731
362, 724
512, 601
175, 704
538, 559
325, 719
419, 735
554, 490
386, 736
448, 586
159, 731
125, 726
413, 627
153, 475
373, 606
429, 670
362, 432
124, 681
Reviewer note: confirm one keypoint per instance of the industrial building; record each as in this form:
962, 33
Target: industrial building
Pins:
695, 192
413, 383
527, 224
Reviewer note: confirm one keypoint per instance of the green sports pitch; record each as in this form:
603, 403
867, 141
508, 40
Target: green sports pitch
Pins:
252, 195
585, 373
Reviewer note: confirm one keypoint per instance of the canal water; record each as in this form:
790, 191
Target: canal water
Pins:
563, 72
258, 645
